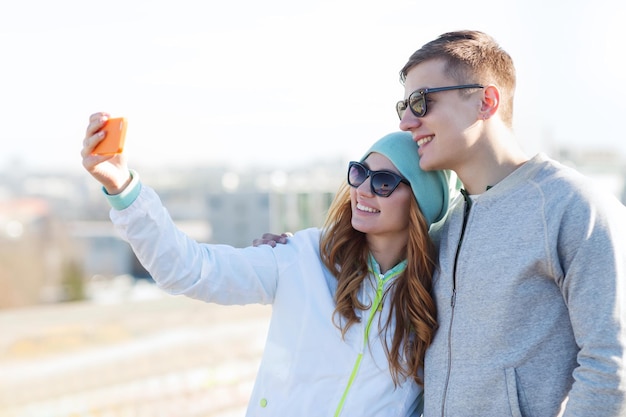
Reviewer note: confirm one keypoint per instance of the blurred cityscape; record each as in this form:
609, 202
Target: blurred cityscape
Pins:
83, 330
56, 236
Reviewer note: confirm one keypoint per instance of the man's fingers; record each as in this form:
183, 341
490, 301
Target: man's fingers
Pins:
259, 242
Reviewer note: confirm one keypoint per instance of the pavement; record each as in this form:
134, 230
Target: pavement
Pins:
130, 353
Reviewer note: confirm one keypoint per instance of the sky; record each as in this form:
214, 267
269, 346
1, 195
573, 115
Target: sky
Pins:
285, 82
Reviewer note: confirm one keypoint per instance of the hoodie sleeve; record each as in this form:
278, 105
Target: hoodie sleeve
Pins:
179, 265
591, 250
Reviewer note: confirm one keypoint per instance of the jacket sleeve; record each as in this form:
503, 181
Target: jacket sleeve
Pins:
179, 265
592, 254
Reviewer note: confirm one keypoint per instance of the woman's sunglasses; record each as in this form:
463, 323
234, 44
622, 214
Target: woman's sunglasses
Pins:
417, 99
382, 183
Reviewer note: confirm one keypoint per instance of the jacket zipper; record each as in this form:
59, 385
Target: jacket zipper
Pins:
376, 307
468, 206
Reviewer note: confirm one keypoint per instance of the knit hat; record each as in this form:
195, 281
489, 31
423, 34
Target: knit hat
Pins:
431, 188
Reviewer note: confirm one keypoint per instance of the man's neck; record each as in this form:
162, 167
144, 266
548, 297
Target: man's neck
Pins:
491, 165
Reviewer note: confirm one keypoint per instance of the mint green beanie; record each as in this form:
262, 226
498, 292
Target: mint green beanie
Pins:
431, 188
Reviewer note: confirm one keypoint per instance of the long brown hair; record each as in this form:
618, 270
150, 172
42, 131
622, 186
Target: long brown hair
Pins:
344, 251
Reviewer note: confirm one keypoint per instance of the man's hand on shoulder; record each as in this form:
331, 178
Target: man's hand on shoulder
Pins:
272, 239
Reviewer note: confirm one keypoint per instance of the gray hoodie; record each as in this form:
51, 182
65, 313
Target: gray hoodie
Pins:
532, 310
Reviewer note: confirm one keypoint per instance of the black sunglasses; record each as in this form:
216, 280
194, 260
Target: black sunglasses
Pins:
417, 99
382, 183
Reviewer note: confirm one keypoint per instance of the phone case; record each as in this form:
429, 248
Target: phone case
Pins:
113, 141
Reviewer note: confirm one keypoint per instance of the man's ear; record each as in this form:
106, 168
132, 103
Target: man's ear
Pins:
490, 102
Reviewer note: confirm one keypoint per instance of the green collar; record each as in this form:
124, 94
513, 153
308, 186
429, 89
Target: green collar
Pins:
374, 268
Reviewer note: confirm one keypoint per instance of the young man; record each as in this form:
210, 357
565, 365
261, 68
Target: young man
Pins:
531, 291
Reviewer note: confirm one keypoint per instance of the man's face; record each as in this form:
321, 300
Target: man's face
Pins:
448, 132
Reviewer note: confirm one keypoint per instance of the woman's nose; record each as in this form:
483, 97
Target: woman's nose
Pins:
365, 187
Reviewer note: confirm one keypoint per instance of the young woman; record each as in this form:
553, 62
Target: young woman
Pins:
352, 313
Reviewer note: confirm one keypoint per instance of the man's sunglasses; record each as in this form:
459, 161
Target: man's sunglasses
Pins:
417, 99
382, 183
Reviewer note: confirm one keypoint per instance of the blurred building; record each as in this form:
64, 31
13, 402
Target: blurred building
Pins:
606, 167
35, 252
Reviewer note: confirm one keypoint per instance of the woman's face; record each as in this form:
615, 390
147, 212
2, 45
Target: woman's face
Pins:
381, 216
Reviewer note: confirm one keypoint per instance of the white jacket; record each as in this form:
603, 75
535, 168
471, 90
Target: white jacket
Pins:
306, 364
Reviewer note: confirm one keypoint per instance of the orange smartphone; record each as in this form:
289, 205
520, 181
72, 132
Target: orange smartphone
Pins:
114, 138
